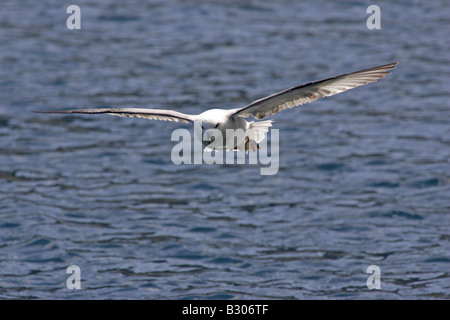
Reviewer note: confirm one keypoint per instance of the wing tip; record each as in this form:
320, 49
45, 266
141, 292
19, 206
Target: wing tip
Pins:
387, 67
378, 73
390, 67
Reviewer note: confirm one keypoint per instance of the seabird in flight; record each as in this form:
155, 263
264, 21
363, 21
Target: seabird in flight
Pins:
254, 132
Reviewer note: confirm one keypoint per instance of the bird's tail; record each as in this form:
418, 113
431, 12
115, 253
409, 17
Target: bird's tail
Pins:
257, 130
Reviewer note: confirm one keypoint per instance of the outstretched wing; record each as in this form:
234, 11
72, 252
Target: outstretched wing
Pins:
312, 91
154, 114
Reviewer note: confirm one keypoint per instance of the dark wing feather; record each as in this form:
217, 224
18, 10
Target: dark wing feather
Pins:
154, 114
312, 91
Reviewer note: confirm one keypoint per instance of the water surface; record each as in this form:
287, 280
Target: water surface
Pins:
363, 179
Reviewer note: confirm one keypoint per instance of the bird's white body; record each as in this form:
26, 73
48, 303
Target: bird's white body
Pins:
214, 116
221, 123
215, 122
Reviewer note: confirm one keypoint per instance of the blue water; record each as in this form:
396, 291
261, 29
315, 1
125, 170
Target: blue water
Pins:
364, 176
